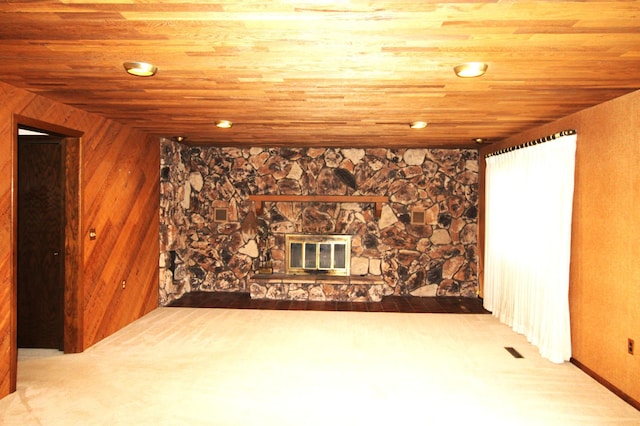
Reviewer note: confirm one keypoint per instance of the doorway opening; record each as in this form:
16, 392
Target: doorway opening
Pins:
41, 235
46, 302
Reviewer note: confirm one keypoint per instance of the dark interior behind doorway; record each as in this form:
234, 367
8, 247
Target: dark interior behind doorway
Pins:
40, 242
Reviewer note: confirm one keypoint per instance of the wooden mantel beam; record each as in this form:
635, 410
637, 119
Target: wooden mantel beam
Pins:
377, 200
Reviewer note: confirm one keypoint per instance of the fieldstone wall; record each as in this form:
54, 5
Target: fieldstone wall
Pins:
437, 258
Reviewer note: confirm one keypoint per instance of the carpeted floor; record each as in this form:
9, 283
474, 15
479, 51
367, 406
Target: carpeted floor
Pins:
193, 366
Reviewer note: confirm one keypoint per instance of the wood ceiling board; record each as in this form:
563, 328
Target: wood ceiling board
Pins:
325, 73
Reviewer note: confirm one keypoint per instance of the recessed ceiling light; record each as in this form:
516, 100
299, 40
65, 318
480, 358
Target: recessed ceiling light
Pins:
470, 69
224, 124
479, 140
179, 138
418, 124
140, 69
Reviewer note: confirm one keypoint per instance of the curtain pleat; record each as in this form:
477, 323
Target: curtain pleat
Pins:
529, 201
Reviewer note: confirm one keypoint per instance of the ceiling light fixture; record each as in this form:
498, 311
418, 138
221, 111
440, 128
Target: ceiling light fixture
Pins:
224, 124
140, 69
470, 69
418, 124
479, 140
179, 138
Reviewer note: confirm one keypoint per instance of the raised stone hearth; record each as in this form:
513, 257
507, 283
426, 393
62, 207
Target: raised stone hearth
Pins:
316, 287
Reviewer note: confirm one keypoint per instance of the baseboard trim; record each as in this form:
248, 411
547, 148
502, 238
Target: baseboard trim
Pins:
626, 398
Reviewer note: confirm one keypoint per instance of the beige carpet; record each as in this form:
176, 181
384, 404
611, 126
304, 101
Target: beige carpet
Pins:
184, 366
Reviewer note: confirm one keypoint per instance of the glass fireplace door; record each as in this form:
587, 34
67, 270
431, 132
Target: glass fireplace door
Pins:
318, 254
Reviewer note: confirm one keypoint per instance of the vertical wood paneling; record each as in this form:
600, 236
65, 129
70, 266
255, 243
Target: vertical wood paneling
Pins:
130, 186
604, 294
73, 294
119, 193
8, 292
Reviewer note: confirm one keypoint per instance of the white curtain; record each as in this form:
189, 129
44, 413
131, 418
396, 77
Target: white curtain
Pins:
529, 200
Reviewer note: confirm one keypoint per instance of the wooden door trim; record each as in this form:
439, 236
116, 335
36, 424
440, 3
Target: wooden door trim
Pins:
13, 303
73, 288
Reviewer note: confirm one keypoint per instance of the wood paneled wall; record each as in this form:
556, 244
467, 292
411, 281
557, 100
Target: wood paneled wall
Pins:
119, 191
604, 292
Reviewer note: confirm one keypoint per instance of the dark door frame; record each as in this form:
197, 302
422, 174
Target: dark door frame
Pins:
73, 288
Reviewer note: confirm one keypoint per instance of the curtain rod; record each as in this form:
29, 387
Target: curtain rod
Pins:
534, 142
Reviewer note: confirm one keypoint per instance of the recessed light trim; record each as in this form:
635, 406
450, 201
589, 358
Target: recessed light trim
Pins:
224, 124
140, 69
418, 124
470, 69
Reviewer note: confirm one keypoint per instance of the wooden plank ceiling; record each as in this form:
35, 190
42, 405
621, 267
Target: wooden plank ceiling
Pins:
324, 73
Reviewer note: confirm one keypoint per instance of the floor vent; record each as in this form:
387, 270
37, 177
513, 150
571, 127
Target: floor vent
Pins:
513, 352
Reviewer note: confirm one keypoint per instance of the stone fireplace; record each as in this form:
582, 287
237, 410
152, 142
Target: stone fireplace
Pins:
317, 254
371, 195
315, 267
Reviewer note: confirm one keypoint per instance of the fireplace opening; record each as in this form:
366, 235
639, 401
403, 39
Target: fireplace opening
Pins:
317, 254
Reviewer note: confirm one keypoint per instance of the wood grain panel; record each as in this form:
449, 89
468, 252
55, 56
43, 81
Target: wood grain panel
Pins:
8, 266
118, 195
73, 296
324, 74
124, 230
